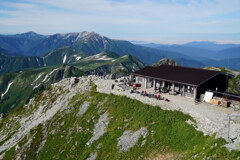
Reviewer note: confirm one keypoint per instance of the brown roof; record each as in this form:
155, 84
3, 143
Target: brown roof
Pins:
185, 75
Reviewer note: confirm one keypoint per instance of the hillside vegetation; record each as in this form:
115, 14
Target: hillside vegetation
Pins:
17, 88
75, 122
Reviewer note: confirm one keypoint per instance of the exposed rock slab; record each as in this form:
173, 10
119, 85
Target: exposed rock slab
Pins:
129, 139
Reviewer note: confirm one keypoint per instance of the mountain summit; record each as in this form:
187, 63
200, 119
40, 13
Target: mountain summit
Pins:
30, 35
32, 44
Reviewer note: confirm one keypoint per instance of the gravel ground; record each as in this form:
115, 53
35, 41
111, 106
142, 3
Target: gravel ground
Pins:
210, 118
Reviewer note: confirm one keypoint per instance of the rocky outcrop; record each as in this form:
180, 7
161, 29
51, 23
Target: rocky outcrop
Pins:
165, 61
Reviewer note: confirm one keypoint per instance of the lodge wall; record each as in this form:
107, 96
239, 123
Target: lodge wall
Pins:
219, 83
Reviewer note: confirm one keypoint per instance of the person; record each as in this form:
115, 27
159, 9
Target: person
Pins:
167, 100
113, 86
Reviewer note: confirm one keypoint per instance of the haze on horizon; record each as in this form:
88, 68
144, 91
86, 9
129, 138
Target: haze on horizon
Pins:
159, 21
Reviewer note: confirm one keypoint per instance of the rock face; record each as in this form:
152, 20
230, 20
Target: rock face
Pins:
129, 139
165, 61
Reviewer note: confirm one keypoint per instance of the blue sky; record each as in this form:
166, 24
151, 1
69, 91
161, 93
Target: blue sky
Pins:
160, 21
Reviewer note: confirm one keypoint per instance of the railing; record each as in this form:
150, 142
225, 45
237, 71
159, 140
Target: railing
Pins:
226, 95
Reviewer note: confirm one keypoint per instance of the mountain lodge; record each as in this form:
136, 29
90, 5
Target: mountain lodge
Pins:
189, 82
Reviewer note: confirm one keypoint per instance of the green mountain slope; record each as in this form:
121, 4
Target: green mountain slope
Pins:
18, 88
17, 63
118, 67
75, 123
27, 83
64, 55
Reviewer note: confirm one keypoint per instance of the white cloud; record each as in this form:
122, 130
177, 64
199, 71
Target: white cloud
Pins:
128, 17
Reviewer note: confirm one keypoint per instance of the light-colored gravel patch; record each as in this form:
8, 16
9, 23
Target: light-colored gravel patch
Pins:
129, 139
83, 108
99, 128
92, 156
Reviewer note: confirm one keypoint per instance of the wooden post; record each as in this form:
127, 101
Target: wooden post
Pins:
154, 83
163, 84
145, 82
229, 127
183, 94
195, 93
173, 86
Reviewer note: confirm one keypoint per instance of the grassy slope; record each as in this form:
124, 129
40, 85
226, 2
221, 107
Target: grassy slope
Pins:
17, 63
20, 90
234, 85
168, 132
56, 57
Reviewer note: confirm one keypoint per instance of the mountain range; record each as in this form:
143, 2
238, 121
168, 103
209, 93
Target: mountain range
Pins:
193, 54
200, 54
18, 87
33, 44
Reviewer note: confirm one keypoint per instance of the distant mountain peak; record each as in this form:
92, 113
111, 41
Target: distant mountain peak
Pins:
212, 46
201, 42
76, 36
30, 35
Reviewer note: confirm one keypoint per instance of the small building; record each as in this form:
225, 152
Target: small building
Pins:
190, 82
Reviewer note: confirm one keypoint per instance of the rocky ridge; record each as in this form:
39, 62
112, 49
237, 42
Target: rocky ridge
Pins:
68, 115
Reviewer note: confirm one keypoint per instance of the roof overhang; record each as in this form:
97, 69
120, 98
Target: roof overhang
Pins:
166, 80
